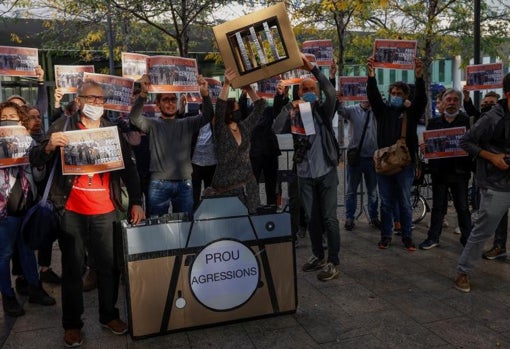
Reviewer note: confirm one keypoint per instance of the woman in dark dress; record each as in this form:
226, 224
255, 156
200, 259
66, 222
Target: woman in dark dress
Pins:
234, 174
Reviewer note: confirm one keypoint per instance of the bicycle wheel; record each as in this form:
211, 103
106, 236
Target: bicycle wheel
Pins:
419, 207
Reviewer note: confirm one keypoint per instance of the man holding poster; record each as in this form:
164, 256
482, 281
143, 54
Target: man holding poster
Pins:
390, 116
87, 205
317, 167
170, 145
449, 173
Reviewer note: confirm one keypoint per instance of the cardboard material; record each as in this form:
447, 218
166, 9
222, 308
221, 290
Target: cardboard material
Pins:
223, 266
259, 45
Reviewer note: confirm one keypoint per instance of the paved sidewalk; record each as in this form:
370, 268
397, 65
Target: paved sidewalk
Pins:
383, 299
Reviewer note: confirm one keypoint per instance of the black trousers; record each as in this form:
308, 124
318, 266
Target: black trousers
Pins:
269, 167
200, 174
95, 232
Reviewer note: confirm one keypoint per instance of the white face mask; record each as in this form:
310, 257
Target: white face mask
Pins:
92, 112
452, 115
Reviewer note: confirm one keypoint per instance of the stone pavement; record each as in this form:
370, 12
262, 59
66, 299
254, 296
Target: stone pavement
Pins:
383, 299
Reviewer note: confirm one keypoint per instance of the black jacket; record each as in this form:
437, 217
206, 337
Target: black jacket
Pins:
389, 121
263, 140
62, 185
455, 167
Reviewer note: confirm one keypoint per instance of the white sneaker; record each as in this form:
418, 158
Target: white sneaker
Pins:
457, 231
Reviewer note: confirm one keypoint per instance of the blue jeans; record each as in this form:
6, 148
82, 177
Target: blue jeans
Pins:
353, 174
395, 188
163, 192
10, 238
321, 194
493, 205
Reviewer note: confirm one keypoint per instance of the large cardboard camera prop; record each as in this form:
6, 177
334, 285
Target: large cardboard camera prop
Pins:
259, 45
223, 266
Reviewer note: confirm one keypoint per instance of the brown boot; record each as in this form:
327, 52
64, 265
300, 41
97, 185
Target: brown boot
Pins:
89, 280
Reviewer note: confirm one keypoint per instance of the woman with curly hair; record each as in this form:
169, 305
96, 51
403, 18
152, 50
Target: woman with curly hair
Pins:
234, 174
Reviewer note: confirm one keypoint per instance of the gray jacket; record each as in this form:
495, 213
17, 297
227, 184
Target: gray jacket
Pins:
491, 133
323, 113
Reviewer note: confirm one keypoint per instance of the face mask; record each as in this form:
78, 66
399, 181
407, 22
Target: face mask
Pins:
486, 108
452, 115
237, 115
396, 102
92, 112
9, 123
309, 97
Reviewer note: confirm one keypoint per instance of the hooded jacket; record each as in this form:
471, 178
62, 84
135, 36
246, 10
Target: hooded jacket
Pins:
491, 133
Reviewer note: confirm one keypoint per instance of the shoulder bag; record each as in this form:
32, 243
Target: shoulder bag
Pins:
393, 159
41, 223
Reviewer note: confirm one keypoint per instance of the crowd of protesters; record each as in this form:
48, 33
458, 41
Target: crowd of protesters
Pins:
227, 146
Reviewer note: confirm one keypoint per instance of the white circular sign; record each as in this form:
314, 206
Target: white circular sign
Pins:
224, 275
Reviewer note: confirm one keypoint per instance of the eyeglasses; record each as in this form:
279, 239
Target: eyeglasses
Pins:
93, 99
169, 99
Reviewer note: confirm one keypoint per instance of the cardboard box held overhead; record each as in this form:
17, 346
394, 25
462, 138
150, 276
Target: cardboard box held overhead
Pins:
259, 45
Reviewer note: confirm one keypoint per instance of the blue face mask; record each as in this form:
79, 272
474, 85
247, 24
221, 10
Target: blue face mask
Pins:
309, 97
396, 102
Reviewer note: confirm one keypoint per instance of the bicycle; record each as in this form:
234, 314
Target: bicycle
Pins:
419, 202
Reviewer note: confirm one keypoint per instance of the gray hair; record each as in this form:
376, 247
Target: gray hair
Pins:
87, 84
450, 91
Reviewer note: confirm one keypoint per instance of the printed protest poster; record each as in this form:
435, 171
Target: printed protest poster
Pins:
321, 49
353, 88
169, 74
116, 90
69, 77
394, 54
90, 151
267, 88
18, 61
214, 86
484, 76
301, 120
14, 144
295, 76
443, 143
134, 65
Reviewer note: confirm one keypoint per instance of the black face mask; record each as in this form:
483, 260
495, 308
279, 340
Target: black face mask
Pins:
237, 115
486, 108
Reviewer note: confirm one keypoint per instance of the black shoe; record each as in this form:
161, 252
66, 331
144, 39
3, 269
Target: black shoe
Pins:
11, 306
314, 263
36, 294
428, 244
21, 286
49, 277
